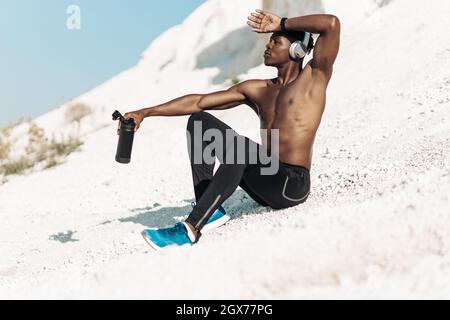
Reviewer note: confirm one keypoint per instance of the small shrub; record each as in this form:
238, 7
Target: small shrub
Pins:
37, 143
5, 132
64, 147
5, 147
7, 166
38, 150
52, 162
77, 111
5, 144
17, 166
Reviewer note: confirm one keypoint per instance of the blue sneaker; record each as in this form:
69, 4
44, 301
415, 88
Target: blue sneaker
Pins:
218, 218
161, 238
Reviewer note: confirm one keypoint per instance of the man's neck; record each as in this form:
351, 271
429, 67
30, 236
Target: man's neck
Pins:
289, 72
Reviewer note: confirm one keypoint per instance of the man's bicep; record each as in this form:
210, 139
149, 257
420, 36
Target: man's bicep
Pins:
226, 99
327, 48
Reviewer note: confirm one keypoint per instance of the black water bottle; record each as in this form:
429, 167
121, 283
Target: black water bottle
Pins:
126, 136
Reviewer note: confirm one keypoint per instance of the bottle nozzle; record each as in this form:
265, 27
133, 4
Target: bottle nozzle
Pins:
117, 115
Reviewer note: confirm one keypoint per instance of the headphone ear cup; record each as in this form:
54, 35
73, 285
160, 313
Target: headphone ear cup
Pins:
297, 51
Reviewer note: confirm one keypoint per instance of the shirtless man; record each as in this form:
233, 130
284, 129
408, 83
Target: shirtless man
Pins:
293, 103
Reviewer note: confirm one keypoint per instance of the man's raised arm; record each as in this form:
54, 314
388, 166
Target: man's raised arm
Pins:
327, 45
327, 25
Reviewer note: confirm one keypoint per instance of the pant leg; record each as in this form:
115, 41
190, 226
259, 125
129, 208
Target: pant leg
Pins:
202, 172
211, 191
289, 187
249, 191
222, 186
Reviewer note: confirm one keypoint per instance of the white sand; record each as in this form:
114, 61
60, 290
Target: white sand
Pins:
377, 222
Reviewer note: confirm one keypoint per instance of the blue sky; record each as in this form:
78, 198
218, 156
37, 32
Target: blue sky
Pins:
43, 63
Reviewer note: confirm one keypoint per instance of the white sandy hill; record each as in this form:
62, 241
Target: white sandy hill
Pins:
376, 224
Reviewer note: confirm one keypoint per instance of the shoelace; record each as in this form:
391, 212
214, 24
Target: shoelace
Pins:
172, 231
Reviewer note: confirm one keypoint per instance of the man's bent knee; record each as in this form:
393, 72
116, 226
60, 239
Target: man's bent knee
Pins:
198, 116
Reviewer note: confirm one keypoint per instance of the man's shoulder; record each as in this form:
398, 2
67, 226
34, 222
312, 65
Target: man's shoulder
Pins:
255, 81
252, 84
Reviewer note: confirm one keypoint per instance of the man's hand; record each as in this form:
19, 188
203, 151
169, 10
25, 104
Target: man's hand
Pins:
263, 21
137, 116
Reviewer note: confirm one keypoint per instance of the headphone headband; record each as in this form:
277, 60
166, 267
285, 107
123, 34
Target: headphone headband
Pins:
299, 49
306, 39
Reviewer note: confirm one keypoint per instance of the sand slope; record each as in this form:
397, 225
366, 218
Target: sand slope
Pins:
377, 222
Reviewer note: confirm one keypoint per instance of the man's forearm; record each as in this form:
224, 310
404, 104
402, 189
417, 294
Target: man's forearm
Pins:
182, 106
315, 23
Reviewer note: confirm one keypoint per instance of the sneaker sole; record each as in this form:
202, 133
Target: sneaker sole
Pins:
215, 224
154, 245
150, 242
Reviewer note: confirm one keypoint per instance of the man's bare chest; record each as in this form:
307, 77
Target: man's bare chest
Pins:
281, 103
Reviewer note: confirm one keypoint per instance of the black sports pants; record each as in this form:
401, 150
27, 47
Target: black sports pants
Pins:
288, 187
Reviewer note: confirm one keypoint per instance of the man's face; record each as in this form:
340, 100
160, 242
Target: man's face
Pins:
277, 50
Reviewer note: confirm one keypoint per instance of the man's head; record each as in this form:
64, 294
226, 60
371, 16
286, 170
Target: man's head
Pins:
277, 50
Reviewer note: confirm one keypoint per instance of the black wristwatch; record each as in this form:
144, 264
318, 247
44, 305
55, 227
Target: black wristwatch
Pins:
283, 24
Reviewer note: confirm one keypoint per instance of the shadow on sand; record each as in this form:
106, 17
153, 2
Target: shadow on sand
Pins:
237, 205
236, 53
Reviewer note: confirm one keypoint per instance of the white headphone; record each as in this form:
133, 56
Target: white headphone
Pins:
299, 49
